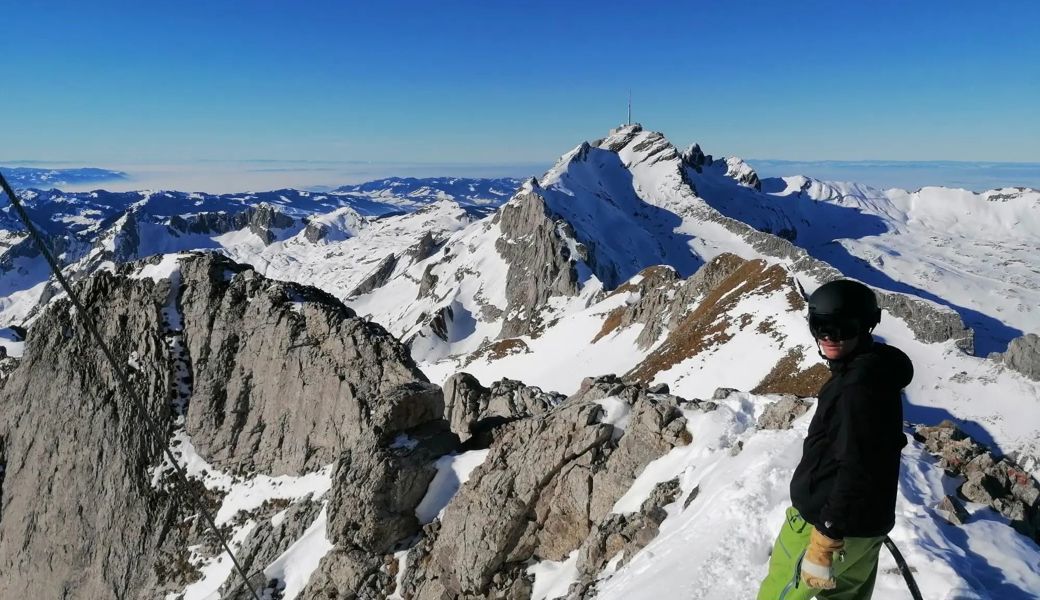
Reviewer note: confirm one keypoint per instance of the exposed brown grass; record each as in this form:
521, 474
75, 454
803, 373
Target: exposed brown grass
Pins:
654, 275
786, 378
706, 326
610, 324
506, 347
794, 298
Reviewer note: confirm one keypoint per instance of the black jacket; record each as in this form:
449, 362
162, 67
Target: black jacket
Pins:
845, 484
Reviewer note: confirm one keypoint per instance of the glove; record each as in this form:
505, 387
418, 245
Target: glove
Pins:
817, 561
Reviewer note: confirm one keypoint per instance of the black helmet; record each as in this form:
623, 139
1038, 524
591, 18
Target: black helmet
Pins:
842, 310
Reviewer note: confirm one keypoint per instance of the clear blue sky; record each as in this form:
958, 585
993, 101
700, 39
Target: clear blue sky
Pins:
516, 82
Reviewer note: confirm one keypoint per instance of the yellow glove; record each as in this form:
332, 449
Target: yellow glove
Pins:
816, 564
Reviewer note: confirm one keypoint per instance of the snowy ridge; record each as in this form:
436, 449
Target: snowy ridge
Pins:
972, 252
99, 230
575, 258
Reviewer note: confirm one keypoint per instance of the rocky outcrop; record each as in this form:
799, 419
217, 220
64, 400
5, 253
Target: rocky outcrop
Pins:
379, 276
473, 410
426, 247
620, 537
664, 299
269, 540
77, 494
546, 483
742, 173
285, 375
283, 379
782, 413
263, 220
315, 231
540, 262
1022, 355
695, 158
999, 483
695, 328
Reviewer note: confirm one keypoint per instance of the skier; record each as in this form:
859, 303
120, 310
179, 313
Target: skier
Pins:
844, 489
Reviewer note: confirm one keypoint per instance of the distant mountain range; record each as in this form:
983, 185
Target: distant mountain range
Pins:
32, 177
593, 384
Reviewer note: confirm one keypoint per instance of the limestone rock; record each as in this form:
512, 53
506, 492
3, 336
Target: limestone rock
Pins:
377, 486
624, 534
539, 261
268, 541
548, 480
262, 220
952, 510
347, 573
782, 413
286, 379
999, 483
379, 276
1023, 355
284, 375
426, 247
68, 464
472, 409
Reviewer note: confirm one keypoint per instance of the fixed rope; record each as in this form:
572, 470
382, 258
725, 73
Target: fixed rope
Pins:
181, 477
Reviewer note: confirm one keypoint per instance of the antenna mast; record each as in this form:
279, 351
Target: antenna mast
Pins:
630, 106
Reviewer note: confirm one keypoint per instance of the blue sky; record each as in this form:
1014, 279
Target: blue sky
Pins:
516, 83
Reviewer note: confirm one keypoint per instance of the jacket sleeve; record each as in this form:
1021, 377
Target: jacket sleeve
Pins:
857, 436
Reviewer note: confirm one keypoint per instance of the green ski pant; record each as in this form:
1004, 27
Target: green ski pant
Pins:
855, 574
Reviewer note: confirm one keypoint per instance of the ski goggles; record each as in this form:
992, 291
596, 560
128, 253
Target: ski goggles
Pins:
835, 327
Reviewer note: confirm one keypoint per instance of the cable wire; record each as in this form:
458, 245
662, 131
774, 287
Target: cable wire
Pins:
181, 475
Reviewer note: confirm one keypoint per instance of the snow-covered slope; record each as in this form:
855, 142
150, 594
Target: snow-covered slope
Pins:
92, 230
973, 252
411, 192
672, 269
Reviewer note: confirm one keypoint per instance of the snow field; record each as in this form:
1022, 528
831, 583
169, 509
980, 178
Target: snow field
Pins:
718, 547
453, 470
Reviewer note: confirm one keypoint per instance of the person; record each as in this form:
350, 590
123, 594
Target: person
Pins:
843, 492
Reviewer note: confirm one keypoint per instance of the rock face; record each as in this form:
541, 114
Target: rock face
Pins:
76, 493
1023, 355
621, 534
540, 264
547, 482
284, 374
997, 482
471, 408
285, 378
377, 277
263, 220
724, 281
664, 299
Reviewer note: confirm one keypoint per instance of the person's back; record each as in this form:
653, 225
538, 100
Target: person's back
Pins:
844, 488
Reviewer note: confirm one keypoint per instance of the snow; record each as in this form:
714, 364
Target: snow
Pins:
252, 493
164, 269
404, 442
11, 342
402, 558
718, 547
214, 570
242, 494
972, 252
453, 470
294, 567
552, 579
618, 413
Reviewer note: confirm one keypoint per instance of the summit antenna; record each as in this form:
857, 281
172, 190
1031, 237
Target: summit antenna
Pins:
630, 107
